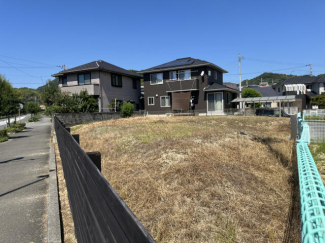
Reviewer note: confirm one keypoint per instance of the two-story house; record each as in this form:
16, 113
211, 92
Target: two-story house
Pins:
187, 84
106, 82
308, 86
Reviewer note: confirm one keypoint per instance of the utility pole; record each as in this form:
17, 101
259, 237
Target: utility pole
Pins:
311, 69
239, 63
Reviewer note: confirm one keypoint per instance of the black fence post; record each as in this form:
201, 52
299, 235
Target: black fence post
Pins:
68, 129
96, 158
76, 137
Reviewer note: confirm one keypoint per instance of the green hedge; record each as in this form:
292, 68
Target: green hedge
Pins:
15, 127
34, 118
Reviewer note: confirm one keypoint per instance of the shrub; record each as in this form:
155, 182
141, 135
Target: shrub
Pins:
127, 109
3, 133
34, 118
17, 127
3, 139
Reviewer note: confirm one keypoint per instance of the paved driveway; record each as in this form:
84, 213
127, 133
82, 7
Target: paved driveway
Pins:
24, 169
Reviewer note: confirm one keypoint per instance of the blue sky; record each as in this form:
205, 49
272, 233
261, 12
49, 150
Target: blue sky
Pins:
270, 35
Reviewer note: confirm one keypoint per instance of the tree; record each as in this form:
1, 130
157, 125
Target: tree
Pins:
33, 108
90, 104
9, 98
318, 100
249, 92
127, 109
50, 92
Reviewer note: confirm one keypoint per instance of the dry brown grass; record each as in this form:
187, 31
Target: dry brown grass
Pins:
66, 216
199, 179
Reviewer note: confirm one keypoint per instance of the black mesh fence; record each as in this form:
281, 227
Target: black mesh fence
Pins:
99, 214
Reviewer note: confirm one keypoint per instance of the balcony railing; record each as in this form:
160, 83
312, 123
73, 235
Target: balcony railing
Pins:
183, 85
92, 89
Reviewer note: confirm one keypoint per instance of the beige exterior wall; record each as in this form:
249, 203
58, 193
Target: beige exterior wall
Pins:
72, 79
101, 86
109, 92
92, 89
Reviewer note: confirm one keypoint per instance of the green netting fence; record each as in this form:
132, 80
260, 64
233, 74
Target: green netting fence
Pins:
312, 190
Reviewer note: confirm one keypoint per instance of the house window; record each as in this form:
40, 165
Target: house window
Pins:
116, 80
309, 87
215, 73
172, 75
84, 79
135, 83
156, 78
64, 81
229, 97
185, 74
151, 101
164, 101
278, 90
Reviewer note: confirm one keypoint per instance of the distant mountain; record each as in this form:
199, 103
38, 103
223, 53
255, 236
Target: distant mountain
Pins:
28, 94
269, 78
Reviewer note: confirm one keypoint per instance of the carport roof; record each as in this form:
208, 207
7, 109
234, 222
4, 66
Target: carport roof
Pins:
267, 99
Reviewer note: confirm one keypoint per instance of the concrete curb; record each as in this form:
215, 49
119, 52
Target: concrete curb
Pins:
53, 214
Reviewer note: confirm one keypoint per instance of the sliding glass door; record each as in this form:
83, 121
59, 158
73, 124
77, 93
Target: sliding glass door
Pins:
215, 102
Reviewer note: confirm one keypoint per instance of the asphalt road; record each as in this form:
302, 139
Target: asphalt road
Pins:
24, 170
3, 122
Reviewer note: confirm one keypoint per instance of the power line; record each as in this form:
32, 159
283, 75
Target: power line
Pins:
17, 68
29, 61
26, 83
14, 75
270, 70
46, 67
269, 61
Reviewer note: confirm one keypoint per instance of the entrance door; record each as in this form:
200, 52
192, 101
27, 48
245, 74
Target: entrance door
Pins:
215, 103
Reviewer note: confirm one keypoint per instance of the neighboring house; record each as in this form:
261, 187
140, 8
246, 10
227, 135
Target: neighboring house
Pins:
105, 81
187, 84
230, 85
266, 91
308, 85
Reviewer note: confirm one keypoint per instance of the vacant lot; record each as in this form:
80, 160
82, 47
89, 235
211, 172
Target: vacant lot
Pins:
200, 179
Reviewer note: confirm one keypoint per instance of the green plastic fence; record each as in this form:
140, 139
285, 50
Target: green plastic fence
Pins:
312, 191
303, 130
312, 196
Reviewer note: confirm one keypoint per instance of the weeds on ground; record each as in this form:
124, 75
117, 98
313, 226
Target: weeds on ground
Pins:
318, 152
199, 179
